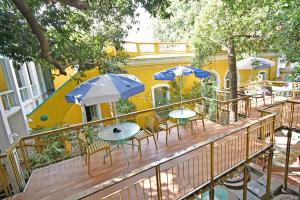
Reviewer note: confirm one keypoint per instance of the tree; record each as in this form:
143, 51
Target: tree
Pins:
67, 33
244, 27
180, 26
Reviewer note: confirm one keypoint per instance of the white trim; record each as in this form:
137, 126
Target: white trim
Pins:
218, 78
238, 78
266, 74
158, 86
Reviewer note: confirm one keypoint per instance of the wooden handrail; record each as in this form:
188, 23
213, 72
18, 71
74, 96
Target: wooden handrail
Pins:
152, 165
79, 126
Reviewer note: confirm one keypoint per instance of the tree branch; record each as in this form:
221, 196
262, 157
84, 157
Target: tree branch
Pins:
78, 4
37, 30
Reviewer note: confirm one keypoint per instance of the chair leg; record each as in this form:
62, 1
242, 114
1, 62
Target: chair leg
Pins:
148, 140
110, 156
85, 158
104, 157
155, 141
167, 137
203, 124
140, 148
179, 136
89, 163
132, 143
192, 128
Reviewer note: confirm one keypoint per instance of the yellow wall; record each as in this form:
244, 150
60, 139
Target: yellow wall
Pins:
3, 85
59, 80
61, 112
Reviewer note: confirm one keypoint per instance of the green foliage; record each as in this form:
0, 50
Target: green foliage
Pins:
269, 25
294, 76
175, 90
180, 26
124, 106
52, 152
77, 37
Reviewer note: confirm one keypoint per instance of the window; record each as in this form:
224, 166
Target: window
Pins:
19, 75
92, 113
262, 75
227, 79
213, 79
29, 74
160, 94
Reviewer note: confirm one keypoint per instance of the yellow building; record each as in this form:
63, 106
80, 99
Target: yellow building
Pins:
147, 59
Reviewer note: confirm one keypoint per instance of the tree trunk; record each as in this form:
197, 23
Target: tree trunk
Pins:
232, 73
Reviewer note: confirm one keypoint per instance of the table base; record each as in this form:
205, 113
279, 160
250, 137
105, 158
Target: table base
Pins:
116, 145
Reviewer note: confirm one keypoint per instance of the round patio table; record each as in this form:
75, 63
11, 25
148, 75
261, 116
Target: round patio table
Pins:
182, 114
118, 134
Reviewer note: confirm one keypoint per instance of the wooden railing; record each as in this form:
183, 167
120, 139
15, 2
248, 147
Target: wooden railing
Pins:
30, 152
198, 167
162, 178
137, 48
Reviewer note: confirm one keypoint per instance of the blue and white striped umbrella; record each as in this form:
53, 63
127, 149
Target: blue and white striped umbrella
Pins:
254, 63
105, 88
170, 74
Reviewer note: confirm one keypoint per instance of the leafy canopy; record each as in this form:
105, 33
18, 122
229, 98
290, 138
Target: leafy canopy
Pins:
66, 33
253, 25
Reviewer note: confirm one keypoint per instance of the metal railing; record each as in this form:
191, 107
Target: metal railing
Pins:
8, 99
24, 93
137, 48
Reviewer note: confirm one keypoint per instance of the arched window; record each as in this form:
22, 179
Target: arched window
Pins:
262, 75
160, 94
227, 79
213, 79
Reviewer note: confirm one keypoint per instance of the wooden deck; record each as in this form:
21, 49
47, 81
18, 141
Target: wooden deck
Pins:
69, 177
60, 180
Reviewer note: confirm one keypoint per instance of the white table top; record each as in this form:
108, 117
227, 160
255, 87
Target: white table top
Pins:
127, 130
182, 114
281, 89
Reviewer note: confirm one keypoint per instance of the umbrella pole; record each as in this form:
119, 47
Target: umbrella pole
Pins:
181, 93
115, 111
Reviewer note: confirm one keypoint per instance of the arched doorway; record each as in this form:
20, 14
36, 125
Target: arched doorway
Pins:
160, 94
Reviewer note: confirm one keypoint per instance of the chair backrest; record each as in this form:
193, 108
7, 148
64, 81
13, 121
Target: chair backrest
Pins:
160, 119
82, 138
268, 90
150, 124
199, 109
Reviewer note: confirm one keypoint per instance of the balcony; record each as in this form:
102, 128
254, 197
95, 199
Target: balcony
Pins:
198, 161
137, 49
7, 98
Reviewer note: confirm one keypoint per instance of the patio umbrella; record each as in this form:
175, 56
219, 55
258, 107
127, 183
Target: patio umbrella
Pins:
254, 63
180, 71
105, 88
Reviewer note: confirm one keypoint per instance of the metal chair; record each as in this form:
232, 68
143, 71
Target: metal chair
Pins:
269, 92
200, 113
92, 148
149, 131
166, 125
